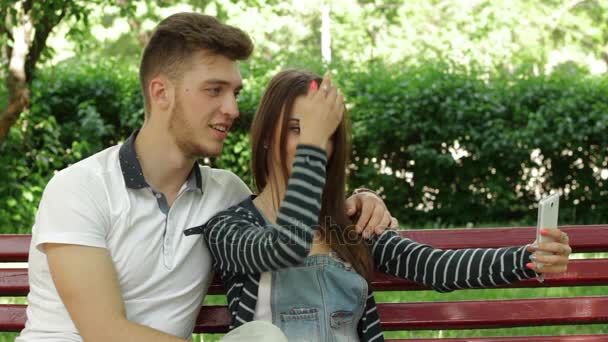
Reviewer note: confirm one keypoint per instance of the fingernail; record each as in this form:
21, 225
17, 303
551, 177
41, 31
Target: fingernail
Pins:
533, 257
534, 245
543, 232
314, 85
530, 265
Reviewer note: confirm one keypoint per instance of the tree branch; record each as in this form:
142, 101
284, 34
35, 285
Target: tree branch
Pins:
27, 5
7, 51
4, 25
16, 82
18, 101
556, 16
604, 56
142, 36
43, 30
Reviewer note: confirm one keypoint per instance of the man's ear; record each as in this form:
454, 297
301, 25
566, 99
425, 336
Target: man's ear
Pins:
161, 93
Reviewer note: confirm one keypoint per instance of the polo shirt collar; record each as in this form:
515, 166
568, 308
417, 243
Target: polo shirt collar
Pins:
133, 174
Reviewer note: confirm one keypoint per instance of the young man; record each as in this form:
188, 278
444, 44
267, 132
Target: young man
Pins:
109, 260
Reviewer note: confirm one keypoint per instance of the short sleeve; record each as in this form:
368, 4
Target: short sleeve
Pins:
233, 189
73, 210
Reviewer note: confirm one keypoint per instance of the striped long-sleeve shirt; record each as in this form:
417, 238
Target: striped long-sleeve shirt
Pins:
243, 246
441, 270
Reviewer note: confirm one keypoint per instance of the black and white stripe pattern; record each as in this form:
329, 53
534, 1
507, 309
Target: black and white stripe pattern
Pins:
237, 248
448, 270
243, 247
441, 270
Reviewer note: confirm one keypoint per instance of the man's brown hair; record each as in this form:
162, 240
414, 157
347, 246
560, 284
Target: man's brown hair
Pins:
180, 36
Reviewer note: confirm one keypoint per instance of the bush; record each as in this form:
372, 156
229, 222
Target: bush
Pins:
77, 110
442, 145
447, 146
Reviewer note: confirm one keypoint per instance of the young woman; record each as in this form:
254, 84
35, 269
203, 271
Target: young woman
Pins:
290, 256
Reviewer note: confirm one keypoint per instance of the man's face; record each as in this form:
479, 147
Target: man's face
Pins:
205, 105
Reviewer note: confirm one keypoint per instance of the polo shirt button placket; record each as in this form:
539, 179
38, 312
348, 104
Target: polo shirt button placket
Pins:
167, 243
168, 257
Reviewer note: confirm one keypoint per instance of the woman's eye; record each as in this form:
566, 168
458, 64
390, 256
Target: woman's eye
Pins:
295, 129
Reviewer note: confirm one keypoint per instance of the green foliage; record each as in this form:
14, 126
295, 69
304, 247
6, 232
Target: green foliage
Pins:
77, 110
44, 16
491, 33
443, 145
453, 148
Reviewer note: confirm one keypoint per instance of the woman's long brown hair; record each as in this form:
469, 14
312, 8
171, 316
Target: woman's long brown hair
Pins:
336, 227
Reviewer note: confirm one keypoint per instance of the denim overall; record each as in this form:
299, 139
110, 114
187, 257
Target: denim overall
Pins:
320, 300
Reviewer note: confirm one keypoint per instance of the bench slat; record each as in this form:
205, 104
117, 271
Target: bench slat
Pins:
12, 317
14, 248
418, 316
463, 315
583, 272
483, 314
424, 316
14, 282
589, 238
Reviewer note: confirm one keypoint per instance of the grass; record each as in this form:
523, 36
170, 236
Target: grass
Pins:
8, 337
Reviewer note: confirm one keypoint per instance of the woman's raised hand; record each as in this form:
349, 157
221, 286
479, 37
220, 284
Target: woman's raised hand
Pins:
320, 112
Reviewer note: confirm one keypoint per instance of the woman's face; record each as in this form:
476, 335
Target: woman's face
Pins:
292, 140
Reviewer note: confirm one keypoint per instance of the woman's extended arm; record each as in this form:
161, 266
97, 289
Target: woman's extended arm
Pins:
448, 270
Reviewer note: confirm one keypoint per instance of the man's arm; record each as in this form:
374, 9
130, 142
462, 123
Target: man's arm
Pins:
87, 284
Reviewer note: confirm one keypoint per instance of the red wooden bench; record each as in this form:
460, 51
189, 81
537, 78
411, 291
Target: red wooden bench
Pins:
444, 315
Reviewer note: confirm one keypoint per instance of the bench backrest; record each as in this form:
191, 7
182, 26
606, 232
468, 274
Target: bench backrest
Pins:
417, 316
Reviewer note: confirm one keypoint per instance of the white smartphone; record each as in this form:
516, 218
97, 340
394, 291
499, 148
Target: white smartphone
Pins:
548, 210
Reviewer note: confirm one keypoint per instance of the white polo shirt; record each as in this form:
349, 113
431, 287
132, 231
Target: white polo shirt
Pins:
104, 201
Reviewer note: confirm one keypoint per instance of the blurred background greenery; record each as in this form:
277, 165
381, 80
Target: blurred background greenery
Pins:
465, 112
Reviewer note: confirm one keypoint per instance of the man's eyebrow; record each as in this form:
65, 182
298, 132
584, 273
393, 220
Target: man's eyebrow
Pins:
224, 82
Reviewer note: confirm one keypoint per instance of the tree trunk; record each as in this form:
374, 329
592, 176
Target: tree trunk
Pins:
27, 47
16, 82
18, 101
